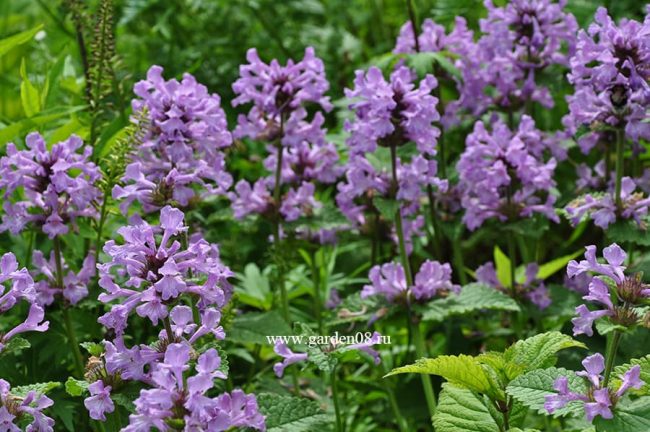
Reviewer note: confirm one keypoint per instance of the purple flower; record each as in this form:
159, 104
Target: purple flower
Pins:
58, 185
391, 113
389, 281
502, 177
289, 358
99, 401
598, 400
530, 288
367, 347
150, 272
186, 132
433, 38
14, 408
610, 71
75, 285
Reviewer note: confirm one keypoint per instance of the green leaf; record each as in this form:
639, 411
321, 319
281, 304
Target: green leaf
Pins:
254, 288
29, 93
644, 363
292, 414
11, 42
473, 297
539, 351
605, 325
387, 207
550, 268
75, 387
255, 327
14, 345
628, 417
502, 263
532, 388
40, 388
460, 410
462, 370
625, 231
93, 348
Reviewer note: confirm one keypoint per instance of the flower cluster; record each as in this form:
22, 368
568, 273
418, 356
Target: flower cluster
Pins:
158, 272
602, 208
530, 288
14, 409
610, 71
186, 132
599, 399
519, 41
629, 290
389, 281
58, 185
503, 175
297, 147
75, 285
17, 285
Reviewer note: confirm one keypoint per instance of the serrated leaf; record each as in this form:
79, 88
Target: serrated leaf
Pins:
605, 326
93, 348
462, 370
11, 42
292, 414
473, 297
460, 410
75, 387
539, 351
255, 327
29, 93
502, 264
644, 363
387, 207
628, 417
40, 388
254, 288
14, 345
532, 388
625, 231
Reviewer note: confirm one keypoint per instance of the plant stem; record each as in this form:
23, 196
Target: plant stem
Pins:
399, 419
619, 165
100, 225
168, 329
512, 254
414, 24
277, 238
340, 427
420, 351
459, 261
67, 321
315, 277
611, 355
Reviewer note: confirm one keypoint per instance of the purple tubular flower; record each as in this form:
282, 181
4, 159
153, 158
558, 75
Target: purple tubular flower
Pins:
183, 148
389, 281
496, 162
99, 401
367, 347
14, 408
630, 379
289, 358
531, 288
610, 71
58, 185
150, 272
601, 405
75, 285
392, 112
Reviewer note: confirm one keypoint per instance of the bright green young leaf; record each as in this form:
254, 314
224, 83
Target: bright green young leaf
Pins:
11, 42
502, 263
460, 410
14, 345
461, 370
40, 388
93, 348
254, 288
388, 208
548, 269
629, 416
292, 414
532, 388
539, 351
75, 387
29, 93
473, 297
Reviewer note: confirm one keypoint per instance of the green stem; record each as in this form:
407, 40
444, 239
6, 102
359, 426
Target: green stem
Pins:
459, 261
277, 238
399, 418
100, 225
611, 355
335, 399
315, 276
414, 24
67, 320
619, 165
512, 254
420, 351
168, 329
399, 223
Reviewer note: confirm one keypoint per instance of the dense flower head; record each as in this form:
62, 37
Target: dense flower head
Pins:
75, 285
279, 95
178, 399
598, 400
502, 177
58, 185
610, 71
17, 285
519, 41
630, 291
14, 409
389, 281
602, 208
433, 38
147, 274
392, 113
182, 149
531, 288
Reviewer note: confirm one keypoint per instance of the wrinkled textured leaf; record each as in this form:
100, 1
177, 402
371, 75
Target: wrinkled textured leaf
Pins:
292, 414
473, 297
